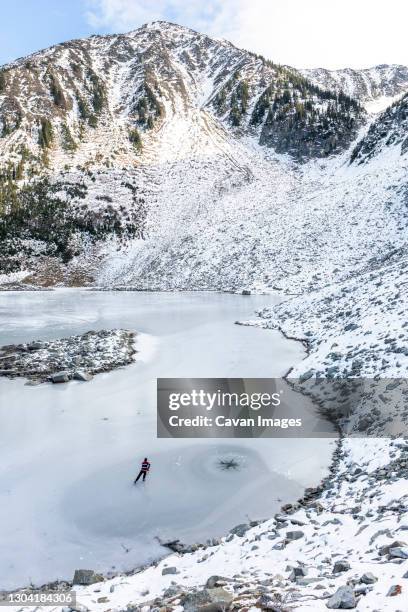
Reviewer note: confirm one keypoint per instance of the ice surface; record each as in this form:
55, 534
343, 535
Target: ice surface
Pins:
70, 452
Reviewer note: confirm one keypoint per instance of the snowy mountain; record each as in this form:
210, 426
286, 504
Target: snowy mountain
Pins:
109, 126
95, 101
389, 131
376, 88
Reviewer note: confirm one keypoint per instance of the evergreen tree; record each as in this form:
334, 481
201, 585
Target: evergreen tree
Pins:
2, 80
45, 135
135, 139
56, 92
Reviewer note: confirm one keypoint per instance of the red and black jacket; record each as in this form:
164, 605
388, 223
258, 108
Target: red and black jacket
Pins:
145, 466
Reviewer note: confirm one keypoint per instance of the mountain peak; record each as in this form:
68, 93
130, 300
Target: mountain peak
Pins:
376, 87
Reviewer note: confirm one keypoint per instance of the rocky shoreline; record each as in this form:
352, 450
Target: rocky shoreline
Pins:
341, 546
23, 287
77, 357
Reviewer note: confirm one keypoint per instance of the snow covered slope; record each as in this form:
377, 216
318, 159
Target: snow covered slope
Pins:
375, 87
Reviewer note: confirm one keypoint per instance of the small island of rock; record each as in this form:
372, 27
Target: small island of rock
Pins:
73, 358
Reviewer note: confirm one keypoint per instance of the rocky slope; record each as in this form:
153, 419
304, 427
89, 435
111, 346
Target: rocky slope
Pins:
375, 87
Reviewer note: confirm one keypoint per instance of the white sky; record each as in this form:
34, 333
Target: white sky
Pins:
301, 33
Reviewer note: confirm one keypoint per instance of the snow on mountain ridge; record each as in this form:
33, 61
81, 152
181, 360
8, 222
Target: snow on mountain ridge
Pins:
387, 132
376, 87
68, 87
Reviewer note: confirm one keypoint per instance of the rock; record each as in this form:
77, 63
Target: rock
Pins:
294, 535
361, 589
297, 522
169, 570
368, 578
36, 346
219, 594
396, 589
307, 581
341, 566
399, 552
82, 375
343, 599
60, 377
239, 530
207, 600
246, 292
192, 601
265, 602
78, 608
213, 581
384, 550
86, 577
305, 376
172, 591
58, 359
297, 572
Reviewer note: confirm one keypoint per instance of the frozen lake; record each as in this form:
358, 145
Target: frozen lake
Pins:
69, 453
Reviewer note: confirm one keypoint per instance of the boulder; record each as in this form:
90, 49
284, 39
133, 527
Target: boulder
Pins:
341, 566
86, 577
82, 375
169, 570
213, 581
60, 377
219, 594
294, 535
305, 376
207, 600
399, 552
396, 589
384, 550
36, 346
343, 599
368, 578
240, 530
191, 602
297, 572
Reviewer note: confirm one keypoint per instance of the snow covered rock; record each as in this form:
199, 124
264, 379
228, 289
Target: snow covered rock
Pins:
86, 577
294, 535
169, 570
343, 599
341, 566
75, 357
368, 578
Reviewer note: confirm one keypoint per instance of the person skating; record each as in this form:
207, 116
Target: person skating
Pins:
145, 467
